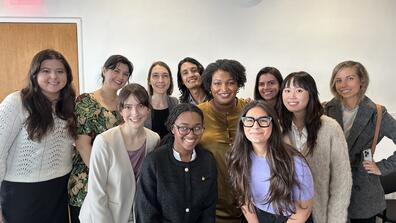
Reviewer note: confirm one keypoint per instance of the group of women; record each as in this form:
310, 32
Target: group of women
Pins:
141, 156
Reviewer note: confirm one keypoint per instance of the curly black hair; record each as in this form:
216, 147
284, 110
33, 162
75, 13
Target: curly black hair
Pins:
235, 68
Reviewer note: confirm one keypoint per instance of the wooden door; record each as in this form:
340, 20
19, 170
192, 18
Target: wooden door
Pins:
19, 42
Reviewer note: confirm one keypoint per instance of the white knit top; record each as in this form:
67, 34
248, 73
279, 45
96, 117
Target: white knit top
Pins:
24, 160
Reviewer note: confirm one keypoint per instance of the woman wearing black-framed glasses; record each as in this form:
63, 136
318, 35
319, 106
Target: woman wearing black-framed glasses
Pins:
271, 181
178, 182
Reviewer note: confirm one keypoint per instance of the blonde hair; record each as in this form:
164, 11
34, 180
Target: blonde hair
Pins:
360, 71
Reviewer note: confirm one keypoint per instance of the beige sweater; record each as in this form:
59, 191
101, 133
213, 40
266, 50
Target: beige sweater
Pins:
331, 171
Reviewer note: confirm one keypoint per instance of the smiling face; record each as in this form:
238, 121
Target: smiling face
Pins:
185, 143
159, 79
295, 98
347, 83
223, 88
133, 112
257, 135
51, 78
268, 87
190, 75
116, 78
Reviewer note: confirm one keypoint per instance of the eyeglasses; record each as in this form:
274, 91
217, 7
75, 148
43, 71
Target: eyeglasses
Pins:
184, 130
263, 121
157, 76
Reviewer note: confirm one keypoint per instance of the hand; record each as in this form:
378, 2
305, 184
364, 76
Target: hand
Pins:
1, 216
371, 167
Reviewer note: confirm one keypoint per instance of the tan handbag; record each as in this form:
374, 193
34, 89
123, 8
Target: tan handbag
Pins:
377, 128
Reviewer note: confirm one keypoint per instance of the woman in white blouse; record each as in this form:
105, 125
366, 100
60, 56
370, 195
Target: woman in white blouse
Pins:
321, 140
37, 130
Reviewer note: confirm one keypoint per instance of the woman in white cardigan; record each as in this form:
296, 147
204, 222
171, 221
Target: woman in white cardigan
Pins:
321, 140
116, 159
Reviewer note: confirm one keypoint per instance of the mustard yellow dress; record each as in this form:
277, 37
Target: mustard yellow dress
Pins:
219, 134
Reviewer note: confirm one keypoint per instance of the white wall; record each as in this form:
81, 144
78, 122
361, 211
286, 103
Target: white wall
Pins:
292, 35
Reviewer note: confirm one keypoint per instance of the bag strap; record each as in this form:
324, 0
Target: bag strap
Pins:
377, 128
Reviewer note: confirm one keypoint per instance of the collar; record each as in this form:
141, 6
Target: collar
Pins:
176, 154
192, 101
303, 132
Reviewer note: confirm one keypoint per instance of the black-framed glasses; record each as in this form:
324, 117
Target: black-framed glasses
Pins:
263, 121
184, 130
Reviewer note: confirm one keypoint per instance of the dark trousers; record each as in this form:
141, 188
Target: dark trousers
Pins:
365, 220
266, 217
74, 213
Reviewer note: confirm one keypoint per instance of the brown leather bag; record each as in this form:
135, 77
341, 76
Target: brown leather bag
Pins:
377, 128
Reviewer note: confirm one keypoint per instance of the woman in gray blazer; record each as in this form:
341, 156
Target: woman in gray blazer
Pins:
356, 113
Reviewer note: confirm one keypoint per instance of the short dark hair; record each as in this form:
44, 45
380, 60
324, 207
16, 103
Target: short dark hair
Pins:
173, 115
236, 70
266, 70
112, 61
162, 64
178, 109
136, 90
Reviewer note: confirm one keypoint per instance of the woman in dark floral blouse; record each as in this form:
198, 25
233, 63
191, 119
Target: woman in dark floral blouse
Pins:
96, 112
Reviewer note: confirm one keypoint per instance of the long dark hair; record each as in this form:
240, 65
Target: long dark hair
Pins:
39, 107
182, 87
280, 157
266, 70
314, 109
173, 115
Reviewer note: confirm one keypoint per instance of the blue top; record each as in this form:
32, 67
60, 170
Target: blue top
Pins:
259, 183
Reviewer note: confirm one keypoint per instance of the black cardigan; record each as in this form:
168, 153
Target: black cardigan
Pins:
172, 191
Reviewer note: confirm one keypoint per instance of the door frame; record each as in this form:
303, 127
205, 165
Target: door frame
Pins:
75, 20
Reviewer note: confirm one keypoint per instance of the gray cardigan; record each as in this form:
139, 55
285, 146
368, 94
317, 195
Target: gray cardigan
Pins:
172, 102
367, 197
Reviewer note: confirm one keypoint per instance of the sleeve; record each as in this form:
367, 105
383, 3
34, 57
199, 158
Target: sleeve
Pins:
305, 191
341, 178
388, 129
11, 124
209, 211
86, 112
147, 205
99, 166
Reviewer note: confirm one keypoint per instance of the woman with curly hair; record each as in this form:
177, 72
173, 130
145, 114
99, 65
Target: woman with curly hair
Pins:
223, 79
